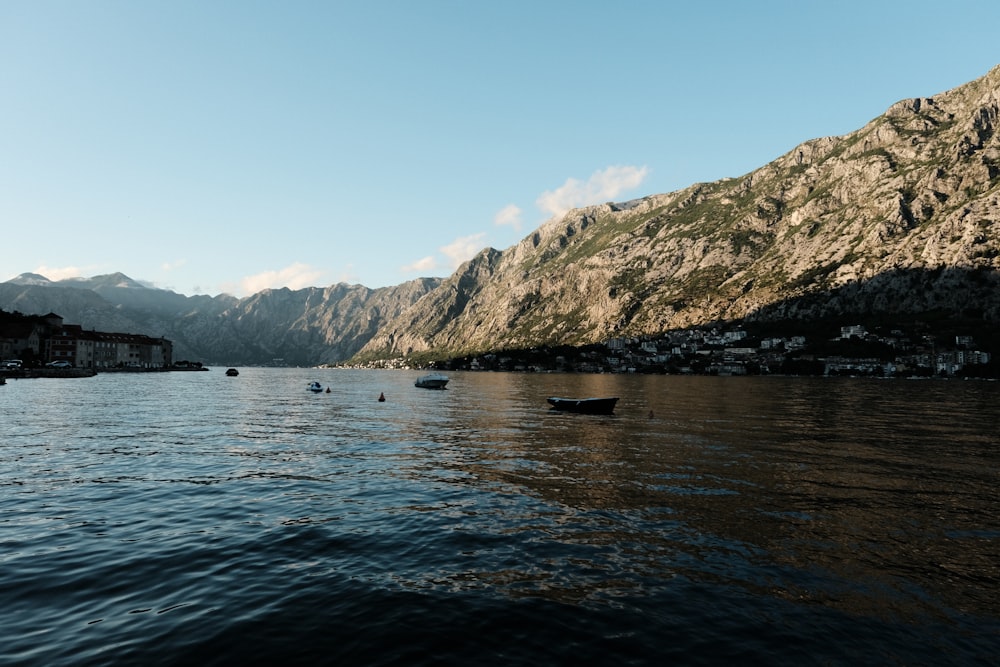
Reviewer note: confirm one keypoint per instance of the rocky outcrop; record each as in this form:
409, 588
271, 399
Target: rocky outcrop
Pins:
900, 216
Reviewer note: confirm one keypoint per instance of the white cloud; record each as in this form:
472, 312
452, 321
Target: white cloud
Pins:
509, 215
458, 251
424, 265
59, 273
600, 187
463, 249
170, 266
293, 276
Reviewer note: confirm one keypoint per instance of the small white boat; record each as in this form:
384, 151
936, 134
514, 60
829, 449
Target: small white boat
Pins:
431, 381
315, 387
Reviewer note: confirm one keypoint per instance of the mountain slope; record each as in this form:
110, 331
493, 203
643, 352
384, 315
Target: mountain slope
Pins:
899, 216
301, 327
308, 326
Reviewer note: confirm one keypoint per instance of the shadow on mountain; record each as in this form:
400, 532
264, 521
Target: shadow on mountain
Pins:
946, 301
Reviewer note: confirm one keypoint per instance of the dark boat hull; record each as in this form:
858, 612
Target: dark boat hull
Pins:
587, 406
432, 381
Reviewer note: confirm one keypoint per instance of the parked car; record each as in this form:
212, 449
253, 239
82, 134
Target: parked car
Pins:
12, 363
59, 364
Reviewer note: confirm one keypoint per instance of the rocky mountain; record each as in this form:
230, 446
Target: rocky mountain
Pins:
899, 217
301, 327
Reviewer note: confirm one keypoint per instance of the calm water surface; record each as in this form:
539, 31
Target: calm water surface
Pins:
192, 518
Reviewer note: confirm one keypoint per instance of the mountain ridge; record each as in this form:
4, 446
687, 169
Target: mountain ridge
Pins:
899, 216
915, 188
298, 327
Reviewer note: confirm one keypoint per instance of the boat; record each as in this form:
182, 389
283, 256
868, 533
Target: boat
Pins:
315, 387
232, 372
431, 381
587, 406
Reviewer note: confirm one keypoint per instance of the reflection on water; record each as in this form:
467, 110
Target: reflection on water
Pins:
175, 514
889, 486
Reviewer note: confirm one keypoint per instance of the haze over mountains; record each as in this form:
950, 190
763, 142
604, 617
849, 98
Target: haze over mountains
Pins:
295, 327
899, 217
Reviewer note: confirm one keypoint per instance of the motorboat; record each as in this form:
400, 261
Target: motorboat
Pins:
587, 406
232, 372
315, 387
431, 381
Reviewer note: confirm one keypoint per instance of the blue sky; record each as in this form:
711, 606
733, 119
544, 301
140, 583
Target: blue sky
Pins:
210, 147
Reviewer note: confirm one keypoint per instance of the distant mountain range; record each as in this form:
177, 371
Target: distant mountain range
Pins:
899, 218
301, 327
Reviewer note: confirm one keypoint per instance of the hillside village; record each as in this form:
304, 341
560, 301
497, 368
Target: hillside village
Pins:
722, 351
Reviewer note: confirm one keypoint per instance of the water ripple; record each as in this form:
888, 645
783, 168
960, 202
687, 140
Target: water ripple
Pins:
192, 518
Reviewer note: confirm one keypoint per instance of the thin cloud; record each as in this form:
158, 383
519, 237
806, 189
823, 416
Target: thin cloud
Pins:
601, 186
347, 275
463, 249
423, 265
59, 273
509, 215
170, 266
455, 253
293, 276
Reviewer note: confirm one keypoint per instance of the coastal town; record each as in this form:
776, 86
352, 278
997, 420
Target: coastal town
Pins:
44, 343
33, 344
735, 351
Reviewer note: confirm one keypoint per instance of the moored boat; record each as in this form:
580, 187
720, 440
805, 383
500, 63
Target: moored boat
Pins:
431, 381
315, 387
588, 406
232, 372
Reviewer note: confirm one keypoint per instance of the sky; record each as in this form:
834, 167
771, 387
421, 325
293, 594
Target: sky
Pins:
212, 147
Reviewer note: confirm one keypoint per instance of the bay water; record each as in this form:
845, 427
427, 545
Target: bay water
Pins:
194, 518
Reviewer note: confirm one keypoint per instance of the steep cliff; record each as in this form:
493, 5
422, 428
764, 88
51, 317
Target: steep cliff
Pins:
313, 325
900, 216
